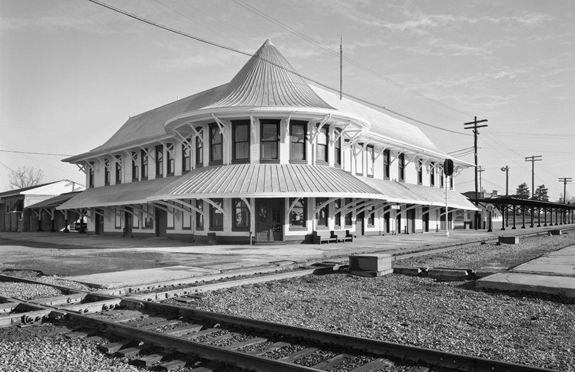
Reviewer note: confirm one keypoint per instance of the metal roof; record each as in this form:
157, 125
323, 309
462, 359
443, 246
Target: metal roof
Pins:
268, 80
400, 192
266, 181
124, 194
56, 201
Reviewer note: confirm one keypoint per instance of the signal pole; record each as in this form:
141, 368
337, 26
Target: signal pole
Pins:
533, 159
473, 125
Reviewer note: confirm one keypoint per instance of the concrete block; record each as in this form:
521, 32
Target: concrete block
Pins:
412, 271
556, 285
370, 265
555, 232
444, 273
509, 239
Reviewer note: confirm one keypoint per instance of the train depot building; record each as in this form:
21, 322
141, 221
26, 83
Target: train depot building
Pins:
265, 158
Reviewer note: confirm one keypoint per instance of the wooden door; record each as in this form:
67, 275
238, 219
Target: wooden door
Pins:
425, 218
99, 222
269, 220
128, 222
360, 224
161, 222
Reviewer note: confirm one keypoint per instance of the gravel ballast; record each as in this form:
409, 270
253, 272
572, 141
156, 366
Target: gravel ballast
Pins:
530, 329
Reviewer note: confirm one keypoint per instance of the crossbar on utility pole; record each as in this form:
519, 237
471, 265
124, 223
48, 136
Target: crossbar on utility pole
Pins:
473, 125
533, 159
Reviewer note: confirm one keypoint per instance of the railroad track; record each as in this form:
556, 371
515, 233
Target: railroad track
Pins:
131, 323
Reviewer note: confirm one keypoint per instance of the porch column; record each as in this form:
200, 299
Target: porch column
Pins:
514, 211
523, 213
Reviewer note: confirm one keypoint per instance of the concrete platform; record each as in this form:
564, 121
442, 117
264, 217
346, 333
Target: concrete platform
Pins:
556, 285
553, 273
140, 277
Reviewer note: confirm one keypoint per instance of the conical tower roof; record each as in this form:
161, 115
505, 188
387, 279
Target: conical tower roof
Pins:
267, 80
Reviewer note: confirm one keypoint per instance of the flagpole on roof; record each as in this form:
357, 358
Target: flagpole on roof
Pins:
340, 67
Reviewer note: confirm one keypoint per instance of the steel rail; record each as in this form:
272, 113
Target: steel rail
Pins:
210, 352
383, 348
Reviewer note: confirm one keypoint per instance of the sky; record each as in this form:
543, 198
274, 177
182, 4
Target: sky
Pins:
72, 72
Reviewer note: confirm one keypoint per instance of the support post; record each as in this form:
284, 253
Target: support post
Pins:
475, 128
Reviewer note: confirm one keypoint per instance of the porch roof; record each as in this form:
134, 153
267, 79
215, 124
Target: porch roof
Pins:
267, 181
399, 192
124, 194
54, 202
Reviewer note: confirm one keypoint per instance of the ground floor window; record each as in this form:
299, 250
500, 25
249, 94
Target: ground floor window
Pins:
148, 221
348, 221
171, 218
135, 221
118, 218
371, 217
216, 215
322, 214
241, 215
337, 217
200, 215
187, 217
298, 215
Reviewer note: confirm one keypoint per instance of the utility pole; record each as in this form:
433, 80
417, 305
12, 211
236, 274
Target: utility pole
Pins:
533, 159
481, 170
565, 180
341, 68
473, 125
506, 170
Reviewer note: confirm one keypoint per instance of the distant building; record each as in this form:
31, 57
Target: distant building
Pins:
266, 157
13, 203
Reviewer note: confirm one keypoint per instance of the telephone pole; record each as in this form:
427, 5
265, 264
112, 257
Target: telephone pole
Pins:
533, 159
481, 170
473, 125
565, 180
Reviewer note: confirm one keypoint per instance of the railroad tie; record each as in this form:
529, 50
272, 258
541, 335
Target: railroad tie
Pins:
177, 363
190, 336
184, 330
299, 354
164, 323
80, 333
332, 362
149, 360
131, 351
273, 346
250, 342
112, 347
375, 365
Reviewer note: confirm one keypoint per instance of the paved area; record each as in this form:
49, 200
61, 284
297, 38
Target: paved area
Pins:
115, 261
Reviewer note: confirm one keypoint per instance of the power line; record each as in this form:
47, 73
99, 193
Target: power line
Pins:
155, 24
35, 153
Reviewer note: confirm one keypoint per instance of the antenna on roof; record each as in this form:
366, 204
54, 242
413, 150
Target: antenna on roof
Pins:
340, 67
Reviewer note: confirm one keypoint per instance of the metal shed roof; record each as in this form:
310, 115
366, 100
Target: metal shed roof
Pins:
56, 201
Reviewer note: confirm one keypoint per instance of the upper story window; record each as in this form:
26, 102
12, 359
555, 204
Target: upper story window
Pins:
186, 156
370, 160
270, 133
106, 172
322, 145
337, 150
441, 176
199, 151
401, 167
431, 174
358, 151
144, 165
216, 140
159, 161
91, 174
241, 141
135, 166
419, 171
451, 182
170, 161
118, 169
386, 164
298, 130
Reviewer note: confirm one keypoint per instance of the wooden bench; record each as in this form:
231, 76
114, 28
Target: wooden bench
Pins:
324, 236
347, 238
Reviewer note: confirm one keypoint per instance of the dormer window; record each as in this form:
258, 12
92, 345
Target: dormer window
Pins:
135, 166
298, 153
170, 161
337, 150
322, 145
159, 161
386, 163
432, 174
144, 165
241, 141
107, 172
401, 167
118, 169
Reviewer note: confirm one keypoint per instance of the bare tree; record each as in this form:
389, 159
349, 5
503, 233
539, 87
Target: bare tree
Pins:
25, 177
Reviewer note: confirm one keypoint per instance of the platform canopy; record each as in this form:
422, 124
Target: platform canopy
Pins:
267, 181
54, 202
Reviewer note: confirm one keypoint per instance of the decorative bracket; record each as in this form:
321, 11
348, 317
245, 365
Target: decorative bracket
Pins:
396, 157
343, 128
319, 207
319, 127
224, 129
213, 204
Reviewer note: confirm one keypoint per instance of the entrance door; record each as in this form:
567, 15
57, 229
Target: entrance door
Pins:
398, 224
161, 222
359, 224
411, 220
99, 221
270, 221
128, 222
425, 218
